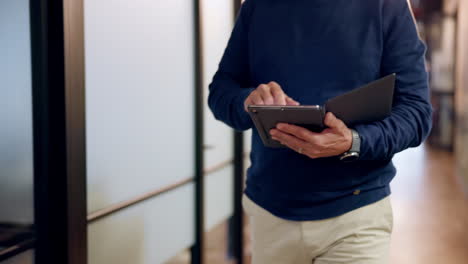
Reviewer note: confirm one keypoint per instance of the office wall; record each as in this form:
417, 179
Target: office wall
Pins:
462, 93
140, 127
16, 158
217, 22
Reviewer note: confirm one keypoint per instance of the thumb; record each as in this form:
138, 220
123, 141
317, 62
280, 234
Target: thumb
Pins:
290, 101
332, 122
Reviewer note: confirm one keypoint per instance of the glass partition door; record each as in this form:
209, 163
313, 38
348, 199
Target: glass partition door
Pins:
16, 147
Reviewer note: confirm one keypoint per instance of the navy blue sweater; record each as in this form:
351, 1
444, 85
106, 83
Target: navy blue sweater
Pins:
318, 49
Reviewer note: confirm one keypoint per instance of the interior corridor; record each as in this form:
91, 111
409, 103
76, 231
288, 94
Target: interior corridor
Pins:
430, 213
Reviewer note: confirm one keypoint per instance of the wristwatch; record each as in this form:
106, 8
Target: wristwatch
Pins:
353, 153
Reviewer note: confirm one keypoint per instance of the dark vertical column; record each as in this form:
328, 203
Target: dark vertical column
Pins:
58, 131
238, 217
197, 249
75, 130
461, 94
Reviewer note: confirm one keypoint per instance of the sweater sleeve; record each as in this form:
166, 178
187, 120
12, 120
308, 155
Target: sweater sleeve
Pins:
230, 85
411, 118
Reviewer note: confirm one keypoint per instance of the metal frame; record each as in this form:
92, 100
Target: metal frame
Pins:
57, 50
17, 249
198, 248
101, 213
21, 238
238, 216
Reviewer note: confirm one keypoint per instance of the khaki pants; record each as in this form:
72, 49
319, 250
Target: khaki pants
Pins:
361, 236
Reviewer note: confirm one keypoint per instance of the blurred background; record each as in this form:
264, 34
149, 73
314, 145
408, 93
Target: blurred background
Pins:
109, 153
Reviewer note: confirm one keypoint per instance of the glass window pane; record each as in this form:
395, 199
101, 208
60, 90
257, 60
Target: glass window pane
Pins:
150, 232
217, 26
16, 157
218, 196
139, 97
16, 146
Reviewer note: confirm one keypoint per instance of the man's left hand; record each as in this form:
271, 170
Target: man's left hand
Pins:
333, 141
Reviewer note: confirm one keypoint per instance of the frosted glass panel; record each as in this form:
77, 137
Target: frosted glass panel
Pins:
217, 27
150, 232
218, 197
139, 66
16, 157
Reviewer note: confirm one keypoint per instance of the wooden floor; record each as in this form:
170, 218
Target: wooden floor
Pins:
430, 214
430, 210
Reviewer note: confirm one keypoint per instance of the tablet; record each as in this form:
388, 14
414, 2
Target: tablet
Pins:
265, 118
369, 103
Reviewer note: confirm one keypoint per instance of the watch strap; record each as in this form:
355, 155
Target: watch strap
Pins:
356, 143
353, 153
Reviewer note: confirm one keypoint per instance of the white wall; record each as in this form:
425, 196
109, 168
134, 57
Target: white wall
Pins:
16, 158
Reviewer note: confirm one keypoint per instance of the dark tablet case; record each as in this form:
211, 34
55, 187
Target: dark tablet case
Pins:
369, 103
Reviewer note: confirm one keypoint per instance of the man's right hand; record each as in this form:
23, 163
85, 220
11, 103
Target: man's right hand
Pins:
269, 94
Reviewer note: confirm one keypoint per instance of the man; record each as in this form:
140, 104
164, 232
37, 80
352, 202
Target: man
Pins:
305, 204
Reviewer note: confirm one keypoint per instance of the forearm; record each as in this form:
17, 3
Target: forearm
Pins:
226, 101
408, 126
